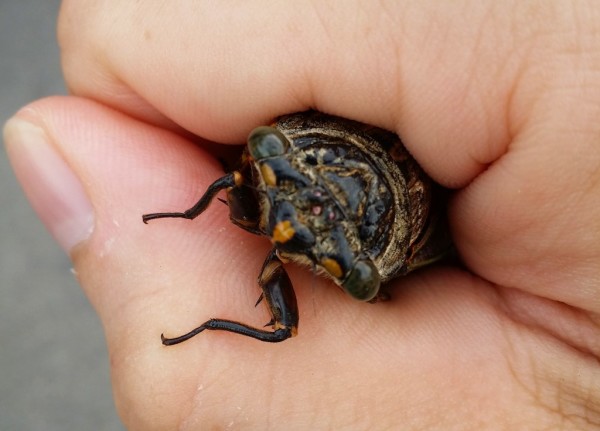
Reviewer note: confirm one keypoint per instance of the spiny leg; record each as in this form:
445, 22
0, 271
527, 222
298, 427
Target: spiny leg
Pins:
281, 299
230, 180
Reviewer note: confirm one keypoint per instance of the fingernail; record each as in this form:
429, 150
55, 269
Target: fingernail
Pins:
53, 189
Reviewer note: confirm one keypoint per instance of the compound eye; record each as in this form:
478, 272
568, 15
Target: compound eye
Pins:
267, 142
363, 281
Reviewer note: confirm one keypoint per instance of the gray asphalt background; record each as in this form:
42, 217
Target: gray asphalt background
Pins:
53, 362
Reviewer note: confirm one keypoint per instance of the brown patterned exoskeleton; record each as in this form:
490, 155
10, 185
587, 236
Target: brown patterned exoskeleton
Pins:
342, 197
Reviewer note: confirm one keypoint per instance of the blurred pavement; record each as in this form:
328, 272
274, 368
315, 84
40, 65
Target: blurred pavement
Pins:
53, 362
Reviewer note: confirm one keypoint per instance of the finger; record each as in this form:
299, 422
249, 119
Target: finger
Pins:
219, 72
532, 220
91, 173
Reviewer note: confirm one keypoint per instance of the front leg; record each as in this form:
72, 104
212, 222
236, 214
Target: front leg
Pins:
279, 294
232, 179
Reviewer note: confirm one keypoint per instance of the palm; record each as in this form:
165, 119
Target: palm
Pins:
446, 345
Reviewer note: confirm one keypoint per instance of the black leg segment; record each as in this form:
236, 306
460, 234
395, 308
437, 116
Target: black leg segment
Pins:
280, 298
227, 181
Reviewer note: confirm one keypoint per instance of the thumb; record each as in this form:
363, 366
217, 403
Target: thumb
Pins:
90, 173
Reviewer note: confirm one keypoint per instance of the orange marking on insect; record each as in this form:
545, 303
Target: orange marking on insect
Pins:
332, 267
237, 178
283, 231
268, 175
293, 329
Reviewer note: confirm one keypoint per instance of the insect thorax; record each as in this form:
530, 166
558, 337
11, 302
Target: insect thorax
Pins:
342, 201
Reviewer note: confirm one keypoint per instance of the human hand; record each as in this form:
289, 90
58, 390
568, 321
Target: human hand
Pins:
500, 102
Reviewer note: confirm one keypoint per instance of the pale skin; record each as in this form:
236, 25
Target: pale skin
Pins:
498, 101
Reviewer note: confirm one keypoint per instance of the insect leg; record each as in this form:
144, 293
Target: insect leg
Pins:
279, 295
229, 180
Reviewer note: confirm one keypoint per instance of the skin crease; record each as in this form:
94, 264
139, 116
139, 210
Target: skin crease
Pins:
498, 100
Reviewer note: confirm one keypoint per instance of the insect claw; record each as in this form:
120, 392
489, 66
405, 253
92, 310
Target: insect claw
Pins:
270, 323
170, 341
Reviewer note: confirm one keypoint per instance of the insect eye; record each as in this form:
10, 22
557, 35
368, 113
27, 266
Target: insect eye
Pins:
266, 142
363, 281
